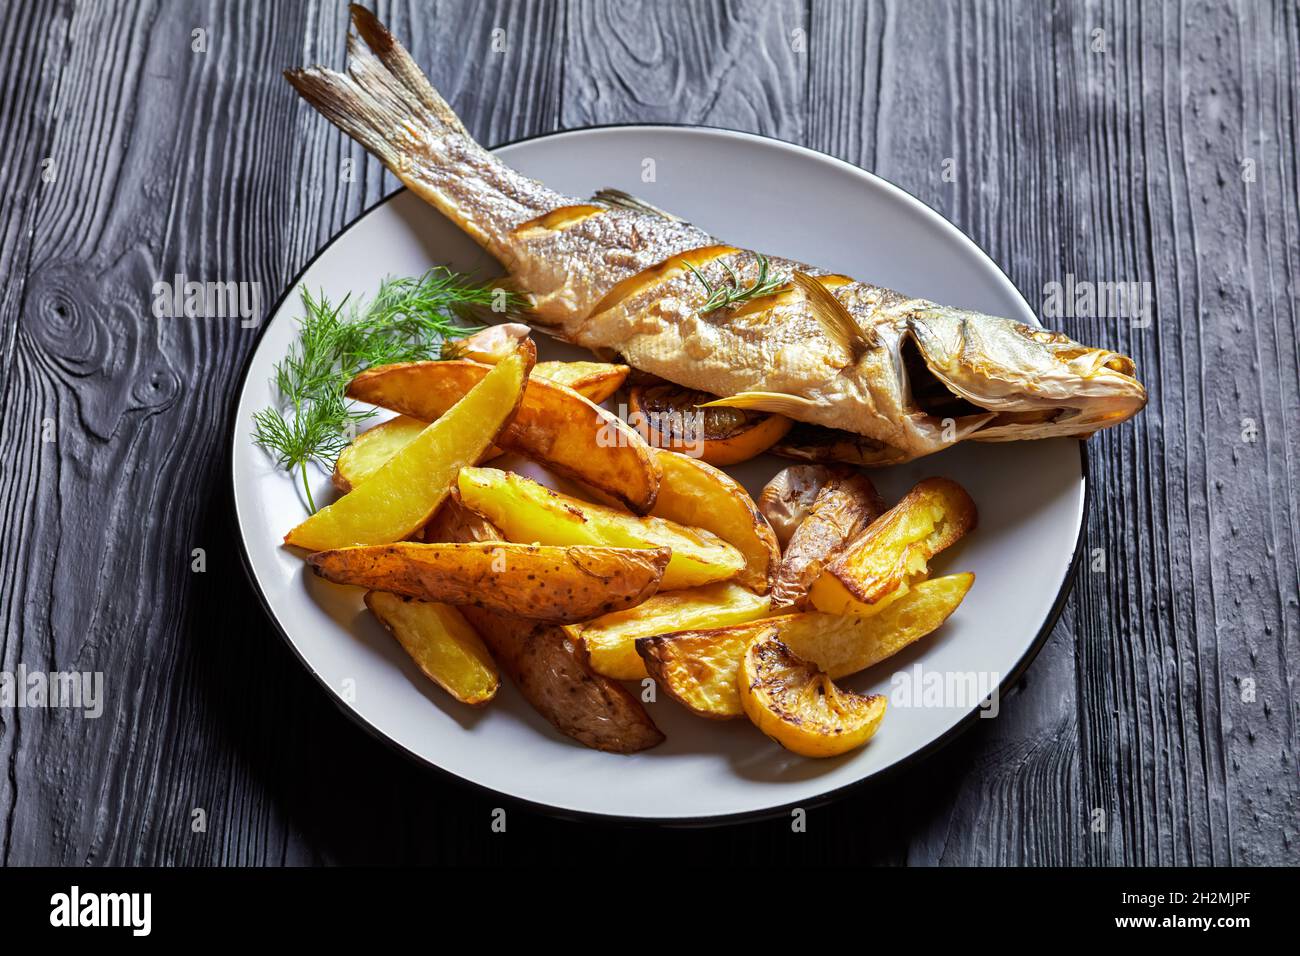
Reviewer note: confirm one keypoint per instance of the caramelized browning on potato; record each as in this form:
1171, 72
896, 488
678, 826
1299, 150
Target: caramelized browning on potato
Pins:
547, 666
564, 584
884, 561
554, 425
610, 640
698, 495
699, 668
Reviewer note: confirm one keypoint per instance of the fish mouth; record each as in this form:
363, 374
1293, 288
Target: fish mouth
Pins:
999, 380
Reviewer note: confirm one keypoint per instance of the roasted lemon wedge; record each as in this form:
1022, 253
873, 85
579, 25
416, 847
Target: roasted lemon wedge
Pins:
798, 706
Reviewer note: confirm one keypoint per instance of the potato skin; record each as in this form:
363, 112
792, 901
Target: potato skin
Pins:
844, 507
554, 425
546, 665
552, 674
401, 496
542, 583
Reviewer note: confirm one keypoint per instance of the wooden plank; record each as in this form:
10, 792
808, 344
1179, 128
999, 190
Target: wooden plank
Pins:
206, 164
736, 65
1164, 699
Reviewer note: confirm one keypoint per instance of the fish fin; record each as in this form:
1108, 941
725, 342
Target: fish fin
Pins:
778, 403
402, 67
387, 105
833, 317
616, 197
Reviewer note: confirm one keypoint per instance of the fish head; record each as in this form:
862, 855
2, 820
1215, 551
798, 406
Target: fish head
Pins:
1038, 383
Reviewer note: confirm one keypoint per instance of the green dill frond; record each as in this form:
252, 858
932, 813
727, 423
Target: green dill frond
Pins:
408, 320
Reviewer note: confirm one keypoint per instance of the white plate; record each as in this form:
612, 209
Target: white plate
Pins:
753, 192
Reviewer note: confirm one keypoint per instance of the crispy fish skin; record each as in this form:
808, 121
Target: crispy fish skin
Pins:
911, 376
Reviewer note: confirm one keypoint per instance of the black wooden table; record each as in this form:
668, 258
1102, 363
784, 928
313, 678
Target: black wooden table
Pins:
1105, 141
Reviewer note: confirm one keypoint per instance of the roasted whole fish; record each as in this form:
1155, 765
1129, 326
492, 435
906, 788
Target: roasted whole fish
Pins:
904, 376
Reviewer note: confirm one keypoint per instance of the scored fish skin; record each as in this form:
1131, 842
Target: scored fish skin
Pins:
921, 377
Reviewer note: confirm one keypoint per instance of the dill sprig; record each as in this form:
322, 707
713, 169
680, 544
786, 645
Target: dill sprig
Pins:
409, 320
733, 294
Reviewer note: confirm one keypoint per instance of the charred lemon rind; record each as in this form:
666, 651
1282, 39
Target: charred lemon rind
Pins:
799, 706
729, 435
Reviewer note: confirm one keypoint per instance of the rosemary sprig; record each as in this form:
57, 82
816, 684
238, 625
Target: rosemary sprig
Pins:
409, 320
733, 294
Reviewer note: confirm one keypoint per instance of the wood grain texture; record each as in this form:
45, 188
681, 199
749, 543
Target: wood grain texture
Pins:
1162, 150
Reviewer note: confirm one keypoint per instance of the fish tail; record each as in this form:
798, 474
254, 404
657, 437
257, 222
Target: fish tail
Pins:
386, 103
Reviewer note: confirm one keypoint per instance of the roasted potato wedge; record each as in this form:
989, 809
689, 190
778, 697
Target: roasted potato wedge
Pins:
696, 494
595, 381
547, 665
441, 643
553, 675
698, 668
554, 425
610, 640
374, 446
799, 706
527, 511
883, 562
565, 585
405, 491
845, 506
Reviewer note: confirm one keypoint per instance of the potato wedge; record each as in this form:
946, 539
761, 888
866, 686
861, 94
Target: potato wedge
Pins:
699, 668
845, 506
547, 666
883, 562
441, 643
610, 640
529, 512
595, 381
542, 583
699, 495
799, 707
406, 490
555, 426
553, 675
374, 446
